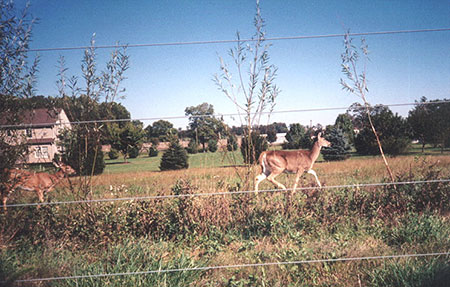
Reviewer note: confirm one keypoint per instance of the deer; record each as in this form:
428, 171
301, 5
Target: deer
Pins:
39, 182
275, 162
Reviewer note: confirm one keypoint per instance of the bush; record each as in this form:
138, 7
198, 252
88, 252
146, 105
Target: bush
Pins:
152, 152
212, 145
113, 154
192, 147
174, 158
133, 152
339, 149
82, 152
251, 153
232, 144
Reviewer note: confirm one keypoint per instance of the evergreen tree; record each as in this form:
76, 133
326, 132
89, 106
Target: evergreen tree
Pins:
232, 144
174, 158
271, 134
340, 147
152, 152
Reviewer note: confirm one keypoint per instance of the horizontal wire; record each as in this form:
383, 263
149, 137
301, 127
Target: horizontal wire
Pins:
240, 40
205, 268
217, 115
171, 196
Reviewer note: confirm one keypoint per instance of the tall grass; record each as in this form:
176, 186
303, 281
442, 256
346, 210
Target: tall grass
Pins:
231, 229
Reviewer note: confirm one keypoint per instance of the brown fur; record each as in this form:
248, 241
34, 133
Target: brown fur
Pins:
276, 162
40, 182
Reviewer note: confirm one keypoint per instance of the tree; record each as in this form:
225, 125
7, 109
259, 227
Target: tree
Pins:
430, 124
258, 93
212, 145
17, 81
95, 100
130, 139
357, 85
175, 157
271, 134
259, 143
203, 126
340, 147
419, 119
160, 130
232, 144
75, 147
192, 147
344, 123
394, 133
298, 137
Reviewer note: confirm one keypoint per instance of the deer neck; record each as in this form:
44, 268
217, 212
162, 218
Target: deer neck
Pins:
315, 151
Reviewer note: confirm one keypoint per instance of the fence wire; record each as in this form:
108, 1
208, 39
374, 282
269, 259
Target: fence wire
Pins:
217, 115
210, 42
185, 195
206, 268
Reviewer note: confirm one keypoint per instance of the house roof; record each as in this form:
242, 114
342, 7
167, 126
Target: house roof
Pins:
37, 117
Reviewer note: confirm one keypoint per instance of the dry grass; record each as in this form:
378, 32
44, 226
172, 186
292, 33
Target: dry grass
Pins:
216, 179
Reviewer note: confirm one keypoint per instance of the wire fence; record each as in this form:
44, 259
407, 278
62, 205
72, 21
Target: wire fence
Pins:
217, 115
210, 42
207, 268
228, 193
191, 195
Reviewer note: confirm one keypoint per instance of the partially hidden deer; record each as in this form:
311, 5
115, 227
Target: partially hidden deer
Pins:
39, 182
275, 162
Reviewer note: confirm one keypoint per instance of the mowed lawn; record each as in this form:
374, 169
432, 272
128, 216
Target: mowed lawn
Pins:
144, 163
200, 160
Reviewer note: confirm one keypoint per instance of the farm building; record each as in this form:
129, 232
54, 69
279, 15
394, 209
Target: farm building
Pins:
41, 128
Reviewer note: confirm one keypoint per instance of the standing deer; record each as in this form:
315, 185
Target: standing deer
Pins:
40, 182
275, 162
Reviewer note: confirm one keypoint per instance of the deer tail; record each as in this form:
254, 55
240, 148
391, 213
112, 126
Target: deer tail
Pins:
262, 161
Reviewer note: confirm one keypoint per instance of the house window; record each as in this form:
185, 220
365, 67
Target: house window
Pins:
41, 152
29, 133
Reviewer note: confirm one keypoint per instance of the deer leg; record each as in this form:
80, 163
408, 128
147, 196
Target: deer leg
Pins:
315, 175
297, 177
4, 200
258, 180
271, 178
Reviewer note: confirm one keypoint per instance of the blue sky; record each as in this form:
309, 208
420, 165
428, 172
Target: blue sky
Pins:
163, 81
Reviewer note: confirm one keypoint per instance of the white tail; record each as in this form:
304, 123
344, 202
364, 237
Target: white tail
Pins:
276, 162
40, 183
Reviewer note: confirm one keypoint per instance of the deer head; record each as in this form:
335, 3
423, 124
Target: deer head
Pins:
322, 141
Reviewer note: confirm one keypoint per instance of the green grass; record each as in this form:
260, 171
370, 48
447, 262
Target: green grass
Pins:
145, 163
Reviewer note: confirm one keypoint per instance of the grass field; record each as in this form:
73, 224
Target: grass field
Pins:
133, 236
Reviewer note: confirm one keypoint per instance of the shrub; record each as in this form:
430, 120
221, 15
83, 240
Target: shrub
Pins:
152, 152
192, 147
251, 152
174, 158
133, 152
113, 154
212, 145
232, 144
82, 151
